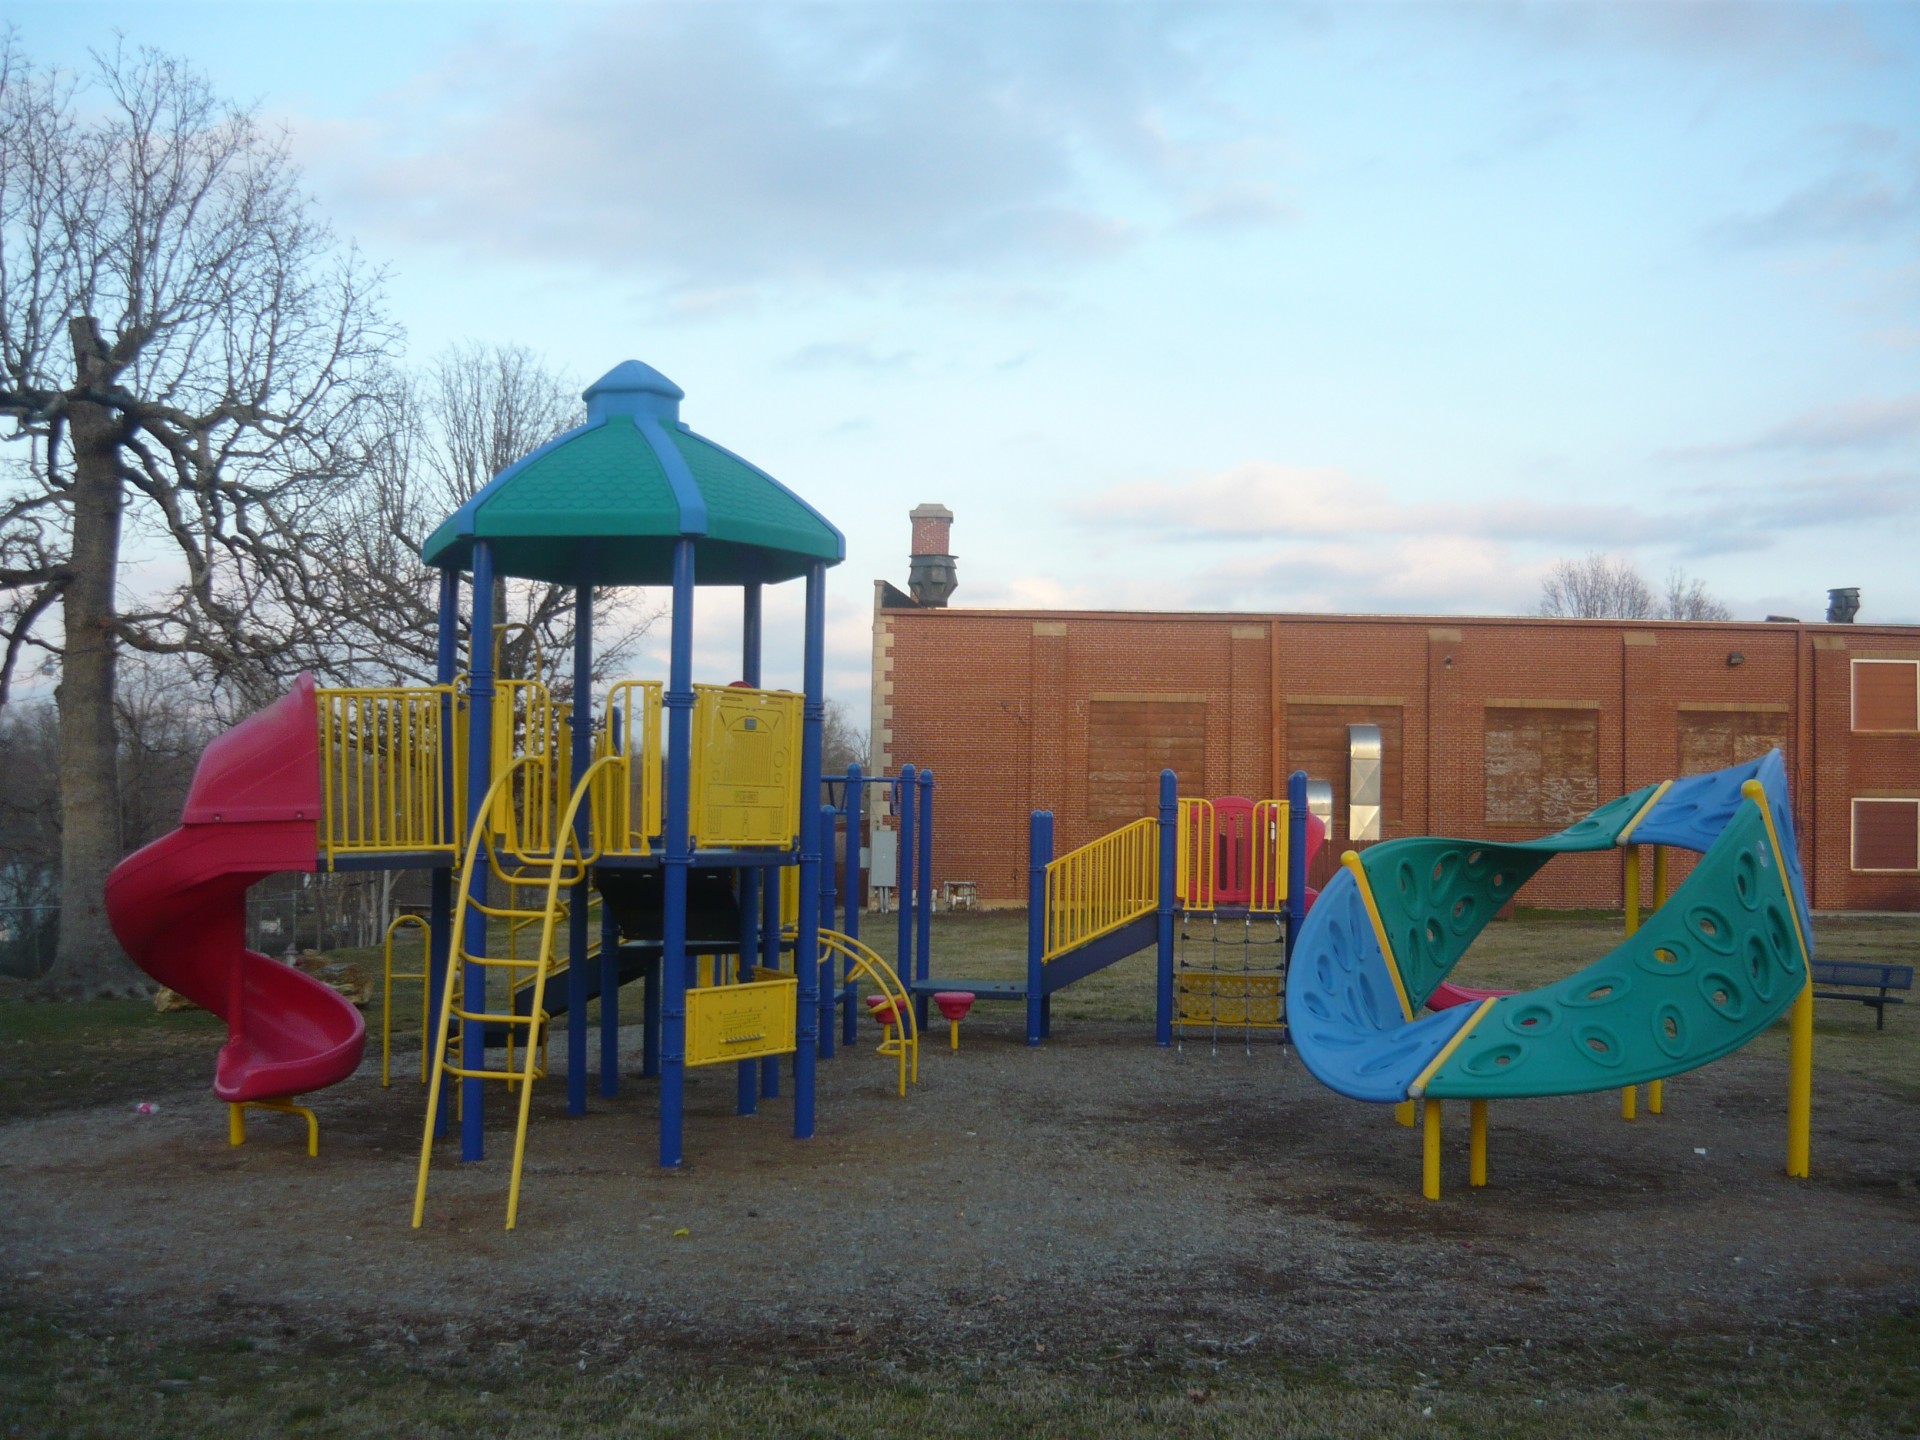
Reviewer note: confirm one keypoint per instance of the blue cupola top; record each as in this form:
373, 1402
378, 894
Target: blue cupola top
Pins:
631, 388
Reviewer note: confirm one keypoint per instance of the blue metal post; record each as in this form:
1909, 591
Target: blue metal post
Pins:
829, 828
1169, 835
904, 871
806, 945
1039, 856
440, 915
650, 1020
673, 923
770, 957
746, 1083
609, 1000
849, 987
473, 1038
582, 892
923, 900
1296, 855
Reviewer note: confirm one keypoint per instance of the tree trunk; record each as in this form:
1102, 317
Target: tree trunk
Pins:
89, 963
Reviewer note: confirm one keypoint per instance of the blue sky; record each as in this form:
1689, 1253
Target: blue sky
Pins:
1357, 307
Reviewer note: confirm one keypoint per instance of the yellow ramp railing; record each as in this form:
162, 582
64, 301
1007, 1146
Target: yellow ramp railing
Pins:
1102, 886
382, 752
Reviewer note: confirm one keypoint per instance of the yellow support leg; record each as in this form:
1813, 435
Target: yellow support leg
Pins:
1633, 888
1656, 1097
1629, 1102
1430, 1166
237, 1122
1477, 1173
1800, 1086
953, 1033
1403, 1112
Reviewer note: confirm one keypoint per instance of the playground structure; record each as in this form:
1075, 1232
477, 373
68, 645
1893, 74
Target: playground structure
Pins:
685, 809
1712, 968
1195, 863
687, 812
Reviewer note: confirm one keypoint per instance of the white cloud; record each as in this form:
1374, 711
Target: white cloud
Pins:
716, 147
1858, 424
1282, 502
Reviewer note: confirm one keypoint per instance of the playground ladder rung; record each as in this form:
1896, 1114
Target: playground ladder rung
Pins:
506, 912
485, 1016
511, 1076
496, 962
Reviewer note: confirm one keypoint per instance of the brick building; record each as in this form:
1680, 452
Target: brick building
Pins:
1496, 728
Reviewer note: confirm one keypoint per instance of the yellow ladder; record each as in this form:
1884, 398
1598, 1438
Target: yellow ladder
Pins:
560, 871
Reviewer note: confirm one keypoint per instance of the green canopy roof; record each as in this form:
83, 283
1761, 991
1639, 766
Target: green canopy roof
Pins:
604, 504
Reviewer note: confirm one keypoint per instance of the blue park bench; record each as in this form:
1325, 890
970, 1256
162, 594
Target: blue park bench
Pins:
1865, 982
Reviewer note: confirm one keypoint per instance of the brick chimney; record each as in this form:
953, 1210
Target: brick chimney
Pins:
930, 571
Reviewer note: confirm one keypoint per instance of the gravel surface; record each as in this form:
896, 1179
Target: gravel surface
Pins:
1098, 1197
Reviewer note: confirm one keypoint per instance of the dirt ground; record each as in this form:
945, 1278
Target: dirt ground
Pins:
1096, 1197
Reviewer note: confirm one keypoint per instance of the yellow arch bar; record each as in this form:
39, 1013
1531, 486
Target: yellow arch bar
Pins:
1352, 861
1625, 835
1419, 1087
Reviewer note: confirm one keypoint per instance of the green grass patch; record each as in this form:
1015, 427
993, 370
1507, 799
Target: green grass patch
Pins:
69, 1382
59, 1057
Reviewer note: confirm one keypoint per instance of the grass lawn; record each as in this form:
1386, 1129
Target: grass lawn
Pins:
66, 1380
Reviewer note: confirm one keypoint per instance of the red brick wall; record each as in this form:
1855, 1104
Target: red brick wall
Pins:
930, 536
996, 703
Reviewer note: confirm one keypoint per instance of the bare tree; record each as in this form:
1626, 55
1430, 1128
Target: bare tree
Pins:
29, 839
435, 441
185, 356
842, 741
1600, 587
1596, 587
1687, 598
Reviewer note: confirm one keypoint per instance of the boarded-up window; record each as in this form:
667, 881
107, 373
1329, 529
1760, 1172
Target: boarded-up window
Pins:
1886, 834
1886, 695
1317, 744
1130, 740
1543, 765
1717, 739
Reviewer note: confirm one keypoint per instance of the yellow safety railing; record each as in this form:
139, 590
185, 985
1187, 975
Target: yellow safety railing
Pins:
537, 657
527, 728
1102, 886
1193, 855
627, 796
1269, 893
383, 753
399, 923
902, 1036
746, 767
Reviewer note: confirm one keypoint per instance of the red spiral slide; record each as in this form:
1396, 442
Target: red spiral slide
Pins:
179, 906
